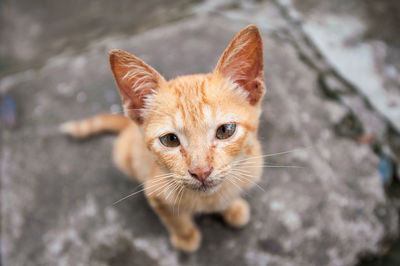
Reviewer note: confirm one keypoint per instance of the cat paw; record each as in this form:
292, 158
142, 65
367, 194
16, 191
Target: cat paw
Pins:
189, 242
238, 214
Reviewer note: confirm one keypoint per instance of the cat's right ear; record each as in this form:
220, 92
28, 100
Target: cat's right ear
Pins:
242, 63
136, 82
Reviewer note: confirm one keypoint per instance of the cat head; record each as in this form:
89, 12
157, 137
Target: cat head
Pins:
197, 125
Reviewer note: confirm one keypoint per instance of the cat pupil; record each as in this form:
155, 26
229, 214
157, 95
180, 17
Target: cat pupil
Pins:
170, 140
225, 131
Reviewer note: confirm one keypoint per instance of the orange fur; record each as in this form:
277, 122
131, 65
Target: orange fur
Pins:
192, 108
95, 125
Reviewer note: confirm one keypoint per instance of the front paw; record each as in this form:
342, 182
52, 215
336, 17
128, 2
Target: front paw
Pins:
188, 242
238, 214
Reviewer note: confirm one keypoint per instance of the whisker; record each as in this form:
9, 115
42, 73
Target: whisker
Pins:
244, 173
166, 188
172, 190
179, 201
241, 175
163, 185
240, 172
234, 183
246, 163
159, 179
249, 164
164, 174
242, 178
154, 183
237, 178
273, 154
176, 197
271, 166
134, 193
161, 188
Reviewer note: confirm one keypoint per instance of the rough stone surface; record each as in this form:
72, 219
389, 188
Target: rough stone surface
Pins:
57, 193
339, 31
31, 32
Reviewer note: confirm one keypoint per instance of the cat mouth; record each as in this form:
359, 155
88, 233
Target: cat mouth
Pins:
207, 187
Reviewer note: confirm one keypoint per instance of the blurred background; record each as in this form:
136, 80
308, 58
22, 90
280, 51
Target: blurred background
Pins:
333, 100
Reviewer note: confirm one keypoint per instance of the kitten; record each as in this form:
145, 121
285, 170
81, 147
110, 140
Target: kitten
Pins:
191, 141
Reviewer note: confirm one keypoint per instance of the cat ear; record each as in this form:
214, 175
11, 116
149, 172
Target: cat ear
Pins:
136, 82
242, 63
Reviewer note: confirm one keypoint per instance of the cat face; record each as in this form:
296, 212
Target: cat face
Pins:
197, 125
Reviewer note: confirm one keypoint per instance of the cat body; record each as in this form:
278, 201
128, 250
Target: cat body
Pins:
192, 141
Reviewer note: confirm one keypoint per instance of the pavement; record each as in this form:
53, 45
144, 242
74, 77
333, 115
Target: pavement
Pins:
57, 193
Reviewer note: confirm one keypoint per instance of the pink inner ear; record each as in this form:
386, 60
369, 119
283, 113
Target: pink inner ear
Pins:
242, 63
136, 81
256, 90
135, 87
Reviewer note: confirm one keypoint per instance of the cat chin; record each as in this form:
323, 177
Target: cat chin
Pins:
206, 189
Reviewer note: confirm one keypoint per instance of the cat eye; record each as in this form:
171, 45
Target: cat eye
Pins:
225, 131
170, 140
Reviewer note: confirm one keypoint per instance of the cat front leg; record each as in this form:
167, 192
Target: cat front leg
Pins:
237, 214
184, 234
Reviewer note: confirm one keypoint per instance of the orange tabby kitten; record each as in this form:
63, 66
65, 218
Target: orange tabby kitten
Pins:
192, 140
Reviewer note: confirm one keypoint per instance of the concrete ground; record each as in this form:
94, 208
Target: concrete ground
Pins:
57, 193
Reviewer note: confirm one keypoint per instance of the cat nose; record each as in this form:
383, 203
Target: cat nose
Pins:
201, 174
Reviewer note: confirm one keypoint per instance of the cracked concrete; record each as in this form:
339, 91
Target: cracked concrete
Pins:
57, 193
347, 46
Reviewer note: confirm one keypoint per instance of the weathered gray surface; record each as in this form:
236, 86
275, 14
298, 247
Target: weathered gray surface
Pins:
57, 193
354, 38
33, 31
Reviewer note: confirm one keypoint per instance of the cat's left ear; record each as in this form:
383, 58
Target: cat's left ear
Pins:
242, 63
136, 81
